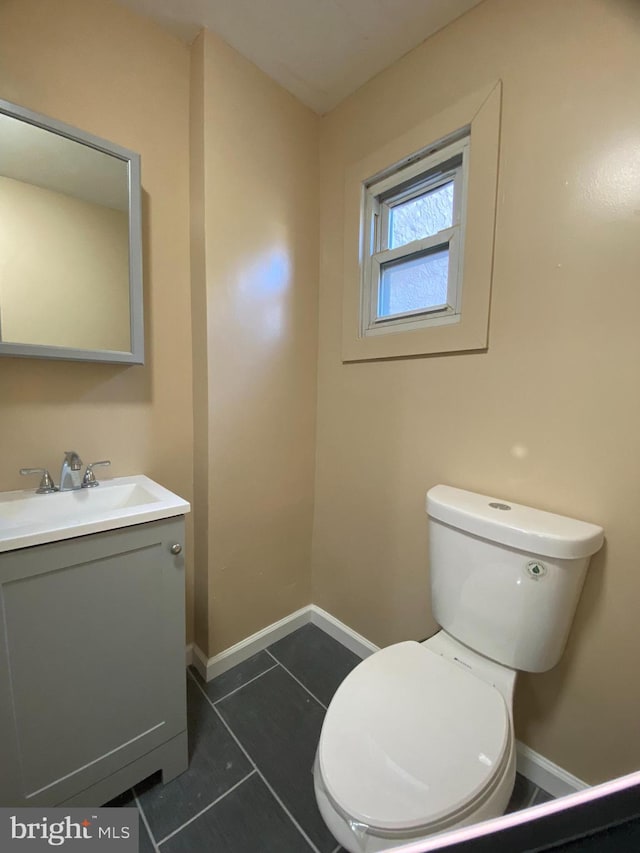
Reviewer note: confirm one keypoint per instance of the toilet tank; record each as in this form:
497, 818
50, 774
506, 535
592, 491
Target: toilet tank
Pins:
505, 578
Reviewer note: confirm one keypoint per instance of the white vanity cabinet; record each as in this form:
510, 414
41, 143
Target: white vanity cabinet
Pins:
92, 665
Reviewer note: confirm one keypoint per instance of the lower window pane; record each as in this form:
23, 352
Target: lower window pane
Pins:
416, 284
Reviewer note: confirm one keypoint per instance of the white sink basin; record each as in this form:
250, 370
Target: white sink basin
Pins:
30, 519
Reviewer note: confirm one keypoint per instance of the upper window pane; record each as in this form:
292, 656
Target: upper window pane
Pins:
421, 217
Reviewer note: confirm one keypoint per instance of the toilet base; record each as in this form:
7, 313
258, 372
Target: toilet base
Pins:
366, 841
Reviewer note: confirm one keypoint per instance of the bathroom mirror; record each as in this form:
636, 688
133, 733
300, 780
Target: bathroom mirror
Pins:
70, 243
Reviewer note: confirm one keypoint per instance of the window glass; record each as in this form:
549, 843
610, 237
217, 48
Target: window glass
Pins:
418, 283
421, 217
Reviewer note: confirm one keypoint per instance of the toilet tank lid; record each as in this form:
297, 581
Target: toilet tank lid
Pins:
532, 530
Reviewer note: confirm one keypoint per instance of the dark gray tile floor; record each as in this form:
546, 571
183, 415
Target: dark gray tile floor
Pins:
253, 733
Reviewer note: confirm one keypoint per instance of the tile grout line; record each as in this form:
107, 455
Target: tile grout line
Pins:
256, 768
143, 817
335, 849
251, 680
536, 788
206, 808
296, 679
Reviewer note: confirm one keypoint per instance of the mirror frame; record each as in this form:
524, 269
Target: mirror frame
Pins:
136, 354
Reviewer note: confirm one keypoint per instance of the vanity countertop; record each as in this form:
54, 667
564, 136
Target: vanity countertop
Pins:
28, 519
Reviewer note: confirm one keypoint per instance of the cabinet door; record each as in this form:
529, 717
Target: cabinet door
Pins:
92, 667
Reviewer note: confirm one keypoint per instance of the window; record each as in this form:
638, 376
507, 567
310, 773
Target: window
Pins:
419, 231
413, 233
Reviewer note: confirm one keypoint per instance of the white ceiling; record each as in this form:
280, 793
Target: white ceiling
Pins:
320, 50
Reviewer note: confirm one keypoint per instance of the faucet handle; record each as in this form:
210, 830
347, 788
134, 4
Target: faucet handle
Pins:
47, 486
89, 479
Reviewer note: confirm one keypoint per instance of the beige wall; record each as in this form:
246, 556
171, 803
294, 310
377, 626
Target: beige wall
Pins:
200, 341
549, 415
255, 228
225, 416
96, 66
60, 255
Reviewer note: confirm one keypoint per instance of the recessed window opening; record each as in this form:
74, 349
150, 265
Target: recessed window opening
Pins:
412, 257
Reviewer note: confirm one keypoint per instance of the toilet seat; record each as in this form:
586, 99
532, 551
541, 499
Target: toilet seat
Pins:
412, 739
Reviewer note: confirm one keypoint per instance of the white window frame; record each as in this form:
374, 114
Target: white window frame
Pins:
476, 114
424, 171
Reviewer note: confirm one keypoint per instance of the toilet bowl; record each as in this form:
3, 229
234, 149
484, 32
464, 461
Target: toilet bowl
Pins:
418, 739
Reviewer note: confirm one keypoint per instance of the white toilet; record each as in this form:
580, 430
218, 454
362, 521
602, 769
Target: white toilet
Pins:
419, 737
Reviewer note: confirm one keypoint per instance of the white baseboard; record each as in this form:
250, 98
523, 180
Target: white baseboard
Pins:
211, 667
530, 764
349, 638
188, 654
544, 773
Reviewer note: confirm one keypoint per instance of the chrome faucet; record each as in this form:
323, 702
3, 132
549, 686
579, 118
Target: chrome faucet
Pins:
70, 475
